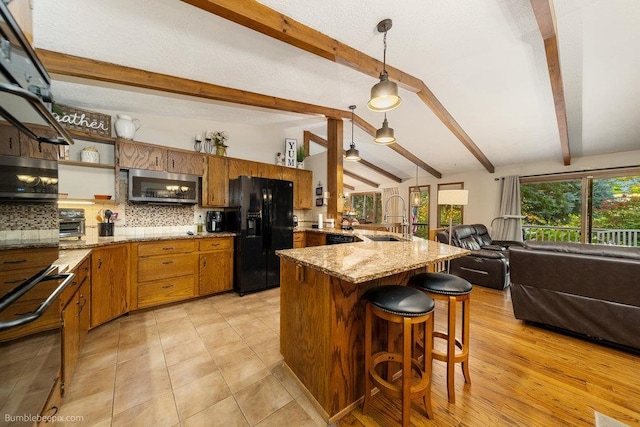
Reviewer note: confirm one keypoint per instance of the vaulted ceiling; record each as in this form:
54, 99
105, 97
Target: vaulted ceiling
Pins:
490, 65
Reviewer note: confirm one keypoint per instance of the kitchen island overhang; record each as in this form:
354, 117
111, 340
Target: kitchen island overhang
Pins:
322, 314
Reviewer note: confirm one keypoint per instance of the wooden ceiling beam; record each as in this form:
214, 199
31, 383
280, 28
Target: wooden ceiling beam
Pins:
361, 179
348, 187
267, 21
75, 66
545, 16
309, 136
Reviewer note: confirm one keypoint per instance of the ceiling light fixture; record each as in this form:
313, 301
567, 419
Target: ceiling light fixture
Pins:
384, 94
416, 195
384, 135
352, 154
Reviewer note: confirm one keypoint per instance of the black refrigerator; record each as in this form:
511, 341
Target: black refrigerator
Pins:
264, 223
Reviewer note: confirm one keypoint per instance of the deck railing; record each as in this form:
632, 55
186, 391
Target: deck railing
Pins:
607, 236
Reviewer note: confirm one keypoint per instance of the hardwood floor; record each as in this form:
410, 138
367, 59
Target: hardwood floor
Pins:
216, 361
522, 375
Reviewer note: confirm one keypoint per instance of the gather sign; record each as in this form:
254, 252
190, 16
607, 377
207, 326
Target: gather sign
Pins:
82, 120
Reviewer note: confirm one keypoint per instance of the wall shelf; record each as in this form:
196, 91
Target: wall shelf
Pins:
86, 164
76, 134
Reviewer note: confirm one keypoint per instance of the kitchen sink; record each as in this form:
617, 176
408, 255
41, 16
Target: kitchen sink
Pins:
385, 238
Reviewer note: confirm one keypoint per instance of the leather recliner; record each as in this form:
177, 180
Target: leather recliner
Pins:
488, 263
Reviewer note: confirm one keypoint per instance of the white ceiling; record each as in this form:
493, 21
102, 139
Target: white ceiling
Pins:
483, 59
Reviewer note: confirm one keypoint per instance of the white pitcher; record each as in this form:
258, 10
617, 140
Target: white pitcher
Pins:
126, 126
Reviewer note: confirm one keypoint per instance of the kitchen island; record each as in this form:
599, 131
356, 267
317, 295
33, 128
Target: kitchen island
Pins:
322, 315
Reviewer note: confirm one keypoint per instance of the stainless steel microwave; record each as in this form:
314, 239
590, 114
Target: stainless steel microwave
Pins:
162, 187
27, 179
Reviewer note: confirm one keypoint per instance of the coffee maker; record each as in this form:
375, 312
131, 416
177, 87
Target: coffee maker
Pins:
214, 222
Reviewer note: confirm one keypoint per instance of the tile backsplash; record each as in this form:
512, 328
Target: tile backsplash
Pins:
28, 216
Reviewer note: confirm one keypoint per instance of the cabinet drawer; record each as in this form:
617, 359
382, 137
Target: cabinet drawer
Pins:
222, 243
168, 247
160, 267
50, 319
298, 237
40, 292
83, 274
35, 260
163, 291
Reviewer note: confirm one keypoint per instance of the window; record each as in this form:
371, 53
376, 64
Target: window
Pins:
447, 211
365, 207
601, 207
420, 214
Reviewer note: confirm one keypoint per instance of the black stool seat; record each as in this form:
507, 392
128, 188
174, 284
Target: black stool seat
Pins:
440, 283
400, 300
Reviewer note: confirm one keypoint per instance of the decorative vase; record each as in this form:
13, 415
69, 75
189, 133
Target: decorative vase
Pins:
126, 126
90, 155
197, 146
301, 165
221, 150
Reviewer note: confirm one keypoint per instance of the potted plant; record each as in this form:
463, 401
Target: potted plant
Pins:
219, 138
300, 155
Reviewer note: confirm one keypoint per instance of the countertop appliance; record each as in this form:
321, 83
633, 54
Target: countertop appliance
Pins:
162, 187
335, 239
29, 286
264, 222
71, 223
215, 221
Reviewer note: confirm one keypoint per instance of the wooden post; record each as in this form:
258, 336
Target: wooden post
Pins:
334, 169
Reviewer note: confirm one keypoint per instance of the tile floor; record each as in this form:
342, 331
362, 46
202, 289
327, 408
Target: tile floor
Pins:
208, 362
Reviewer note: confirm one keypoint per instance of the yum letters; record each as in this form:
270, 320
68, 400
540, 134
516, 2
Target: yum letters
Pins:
290, 148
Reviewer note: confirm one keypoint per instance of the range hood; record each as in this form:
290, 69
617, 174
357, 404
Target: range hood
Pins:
25, 95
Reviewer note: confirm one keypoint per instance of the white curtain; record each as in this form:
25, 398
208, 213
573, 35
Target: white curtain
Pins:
394, 210
508, 224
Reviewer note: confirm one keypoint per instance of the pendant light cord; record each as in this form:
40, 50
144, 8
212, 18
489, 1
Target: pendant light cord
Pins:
352, 143
384, 54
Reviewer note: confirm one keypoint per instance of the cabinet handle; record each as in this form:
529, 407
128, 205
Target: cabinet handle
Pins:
167, 262
19, 261
205, 261
99, 262
167, 287
173, 164
10, 143
156, 160
40, 147
24, 313
215, 244
168, 248
10, 282
86, 269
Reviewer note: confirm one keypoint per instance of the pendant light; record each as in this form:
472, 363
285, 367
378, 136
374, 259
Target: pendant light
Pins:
416, 196
384, 94
384, 135
352, 154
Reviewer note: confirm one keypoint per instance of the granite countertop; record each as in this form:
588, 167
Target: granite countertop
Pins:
69, 260
93, 241
367, 260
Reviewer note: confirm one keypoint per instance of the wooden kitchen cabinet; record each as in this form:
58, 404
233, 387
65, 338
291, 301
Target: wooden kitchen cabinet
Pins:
137, 155
16, 267
109, 283
302, 186
299, 240
185, 162
215, 265
315, 239
215, 184
75, 326
39, 150
239, 167
9, 141
164, 271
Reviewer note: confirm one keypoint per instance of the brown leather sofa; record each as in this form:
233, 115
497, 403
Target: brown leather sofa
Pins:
591, 290
488, 263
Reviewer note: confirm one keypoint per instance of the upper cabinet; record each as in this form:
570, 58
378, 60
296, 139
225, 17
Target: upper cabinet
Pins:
136, 155
184, 162
16, 143
215, 184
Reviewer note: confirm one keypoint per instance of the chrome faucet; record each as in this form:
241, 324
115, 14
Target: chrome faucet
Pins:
405, 224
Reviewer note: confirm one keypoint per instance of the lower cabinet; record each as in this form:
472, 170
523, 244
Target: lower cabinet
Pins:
164, 271
216, 265
315, 239
299, 240
110, 283
75, 320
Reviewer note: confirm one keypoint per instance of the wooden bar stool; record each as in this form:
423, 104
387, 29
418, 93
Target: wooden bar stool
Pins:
453, 289
408, 307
